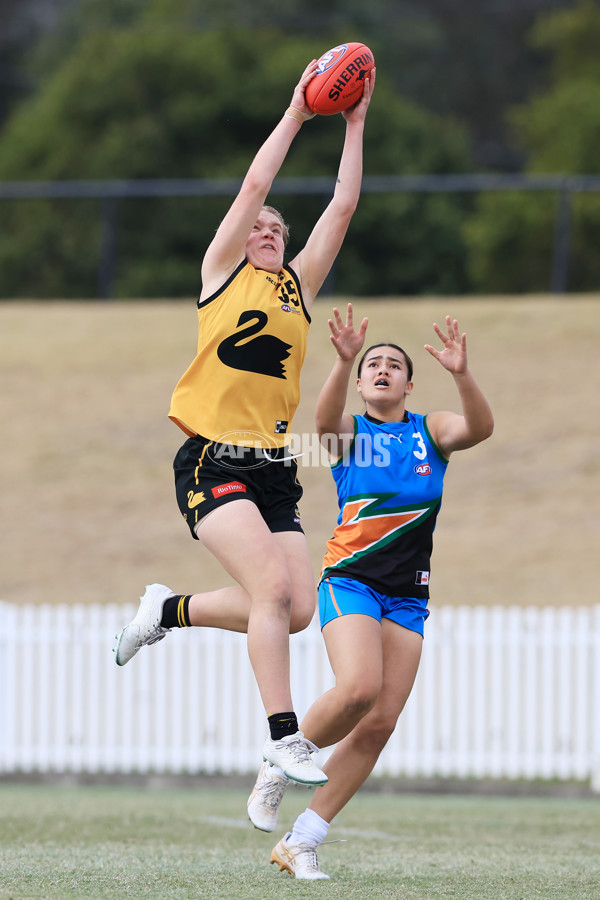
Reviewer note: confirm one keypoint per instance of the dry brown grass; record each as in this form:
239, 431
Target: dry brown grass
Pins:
87, 497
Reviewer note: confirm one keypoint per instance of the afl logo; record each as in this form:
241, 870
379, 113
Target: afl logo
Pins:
423, 469
330, 58
285, 307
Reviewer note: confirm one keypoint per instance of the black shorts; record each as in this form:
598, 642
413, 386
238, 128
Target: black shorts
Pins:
208, 474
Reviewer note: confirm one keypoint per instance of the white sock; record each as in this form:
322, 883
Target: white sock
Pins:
276, 771
309, 828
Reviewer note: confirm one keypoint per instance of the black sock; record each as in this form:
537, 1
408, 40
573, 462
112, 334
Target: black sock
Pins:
176, 612
282, 724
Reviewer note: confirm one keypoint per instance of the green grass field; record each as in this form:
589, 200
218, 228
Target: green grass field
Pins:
120, 842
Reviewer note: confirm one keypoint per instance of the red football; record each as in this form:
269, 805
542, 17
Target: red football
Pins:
340, 78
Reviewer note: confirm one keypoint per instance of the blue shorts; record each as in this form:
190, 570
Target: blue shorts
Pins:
343, 596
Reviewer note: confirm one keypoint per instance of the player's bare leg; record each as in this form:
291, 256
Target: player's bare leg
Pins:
229, 607
355, 650
238, 537
356, 754
353, 759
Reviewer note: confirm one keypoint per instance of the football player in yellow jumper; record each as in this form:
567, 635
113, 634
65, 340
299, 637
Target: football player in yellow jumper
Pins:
236, 482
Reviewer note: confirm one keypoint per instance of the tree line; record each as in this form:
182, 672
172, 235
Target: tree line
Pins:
165, 89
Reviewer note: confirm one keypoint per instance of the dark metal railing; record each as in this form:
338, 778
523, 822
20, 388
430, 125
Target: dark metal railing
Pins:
109, 192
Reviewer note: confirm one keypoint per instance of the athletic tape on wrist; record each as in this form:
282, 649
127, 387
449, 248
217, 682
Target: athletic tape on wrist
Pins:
297, 114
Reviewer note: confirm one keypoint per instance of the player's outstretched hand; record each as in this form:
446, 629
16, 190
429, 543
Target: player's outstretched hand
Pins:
359, 110
454, 355
344, 338
298, 98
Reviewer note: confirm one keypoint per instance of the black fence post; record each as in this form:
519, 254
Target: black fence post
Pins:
107, 263
562, 243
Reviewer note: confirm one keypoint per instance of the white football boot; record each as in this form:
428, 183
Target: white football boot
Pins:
266, 797
293, 755
145, 627
299, 860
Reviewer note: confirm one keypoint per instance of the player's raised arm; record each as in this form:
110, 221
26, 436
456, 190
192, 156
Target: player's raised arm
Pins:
226, 250
332, 423
451, 431
314, 262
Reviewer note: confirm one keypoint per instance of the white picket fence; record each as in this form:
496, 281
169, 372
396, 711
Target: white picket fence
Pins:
502, 692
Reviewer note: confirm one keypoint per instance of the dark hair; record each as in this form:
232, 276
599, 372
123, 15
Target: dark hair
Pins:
409, 363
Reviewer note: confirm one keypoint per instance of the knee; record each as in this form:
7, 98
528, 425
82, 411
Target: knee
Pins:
298, 621
303, 611
276, 594
281, 600
359, 699
371, 735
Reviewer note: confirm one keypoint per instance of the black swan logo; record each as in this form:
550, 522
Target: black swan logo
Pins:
262, 355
